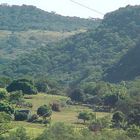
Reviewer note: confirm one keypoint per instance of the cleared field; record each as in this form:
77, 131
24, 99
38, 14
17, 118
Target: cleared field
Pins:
67, 115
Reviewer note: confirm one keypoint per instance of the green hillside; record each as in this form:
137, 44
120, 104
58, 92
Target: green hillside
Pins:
65, 78
19, 18
128, 68
24, 28
84, 57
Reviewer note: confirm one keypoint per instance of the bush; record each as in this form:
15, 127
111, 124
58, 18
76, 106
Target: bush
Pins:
44, 111
19, 134
26, 86
6, 107
33, 118
133, 131
117, 118
86, 116
77, 95
4, 117
20, 116
16, 97
56, 106
3, 93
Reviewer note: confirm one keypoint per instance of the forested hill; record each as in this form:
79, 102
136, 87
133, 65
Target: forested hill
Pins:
126, 21
17, 18
87, 56
128, 67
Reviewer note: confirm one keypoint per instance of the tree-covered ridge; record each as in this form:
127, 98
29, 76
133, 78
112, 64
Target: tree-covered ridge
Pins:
128, 67
84, 57
125, 21
29, 17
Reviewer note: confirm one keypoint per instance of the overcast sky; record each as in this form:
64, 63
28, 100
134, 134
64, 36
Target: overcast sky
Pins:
68, 8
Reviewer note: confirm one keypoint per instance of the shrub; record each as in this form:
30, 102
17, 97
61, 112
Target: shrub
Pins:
133, 131
6, 107
3, 93
26, 86
77, 95
33, 118
19, 134
20, 116
86, 116
4, 117
117, 118
44, 111
56, 106
16, 97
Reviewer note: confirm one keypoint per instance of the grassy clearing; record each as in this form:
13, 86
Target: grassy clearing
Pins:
67, 115
42, 99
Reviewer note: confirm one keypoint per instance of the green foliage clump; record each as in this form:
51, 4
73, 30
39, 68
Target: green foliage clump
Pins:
20, 116
76, 95
133, 131
6, 107
19, 134
44, 111
117, 118
16, 97
20, 18
26, 86
5, 118
3, 94
86, 116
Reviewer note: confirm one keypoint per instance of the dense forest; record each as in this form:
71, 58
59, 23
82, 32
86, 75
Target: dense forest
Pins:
20, 18
87, 56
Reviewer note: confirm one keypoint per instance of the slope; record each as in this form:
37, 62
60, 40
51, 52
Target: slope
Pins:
128, 68
19, 18
84, 57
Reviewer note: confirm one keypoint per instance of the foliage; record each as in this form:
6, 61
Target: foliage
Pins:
4, 81
134, 117
44, 111
3, 94
26, 86
133, 131
86, 116
98, 124
19, 134
56, 106
19, 18
76, 95
20, 116
33, 118
16, 96
5, 118
61, 131
6, 107
42, 86
117, 118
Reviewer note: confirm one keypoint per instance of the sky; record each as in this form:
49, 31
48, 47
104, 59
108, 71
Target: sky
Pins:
69, 8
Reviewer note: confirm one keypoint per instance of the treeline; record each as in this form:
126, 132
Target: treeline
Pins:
19, 18
121, 100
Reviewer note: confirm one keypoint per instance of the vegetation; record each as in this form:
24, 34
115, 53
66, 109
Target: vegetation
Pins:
44, 111
26, 86
85, 57
76, 102
21, 18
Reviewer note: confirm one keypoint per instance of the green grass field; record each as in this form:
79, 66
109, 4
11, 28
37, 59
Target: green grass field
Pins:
67, 115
